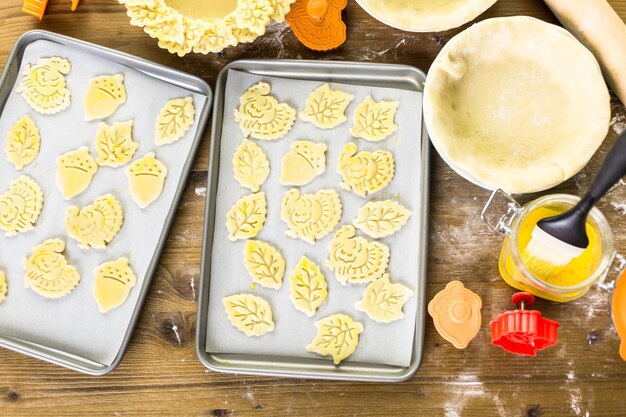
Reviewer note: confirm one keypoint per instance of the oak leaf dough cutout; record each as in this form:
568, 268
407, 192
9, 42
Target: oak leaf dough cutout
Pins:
249, 314
308, 288
174, 120
43, 85
264, 263
365, 172
354, 259
383, 301
47, 271
20, 206
75, 171
246, 217
380, 219
104, 95
250, 165
95, 225
112, 284
261, 116
374, 121
114, 144
303, 162
4, 288
337, 335
146, 178
326, 108
23, 142
310, 216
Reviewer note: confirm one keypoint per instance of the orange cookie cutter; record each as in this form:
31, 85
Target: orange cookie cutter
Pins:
318, 24
37, 8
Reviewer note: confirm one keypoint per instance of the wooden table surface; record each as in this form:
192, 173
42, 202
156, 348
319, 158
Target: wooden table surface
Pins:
160, 374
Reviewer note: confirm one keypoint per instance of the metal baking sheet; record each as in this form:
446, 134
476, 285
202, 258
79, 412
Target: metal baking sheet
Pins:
70, 331
227, 352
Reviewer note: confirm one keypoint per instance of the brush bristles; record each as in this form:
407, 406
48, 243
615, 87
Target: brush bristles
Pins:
544, 248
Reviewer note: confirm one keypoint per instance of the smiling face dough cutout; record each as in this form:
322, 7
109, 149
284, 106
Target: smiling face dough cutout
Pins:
112, 284
146, 178
310, 216
3, 287
75, 170
20, 206
95, 225
43, 85
47, 271
174, 120
104, 95
326, 108
303, 162
114, 144
23, 141
261, 116
365, 172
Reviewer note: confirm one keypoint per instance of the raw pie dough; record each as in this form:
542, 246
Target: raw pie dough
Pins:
337, 335
95, 225
104, 95
246, 217
381, 218
3, 287
146, 178
308, 288
303, 162
250, 314
261, 116
75, 170
20, 206
365, 172
250, 165
374, 121
516, 103
114, 144
326, 108
383, 301
23, 142
43, 85
310, 216
174, 120
112, 284
264, 263
47, 271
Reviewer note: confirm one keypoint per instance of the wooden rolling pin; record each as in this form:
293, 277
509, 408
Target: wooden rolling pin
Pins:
602, 31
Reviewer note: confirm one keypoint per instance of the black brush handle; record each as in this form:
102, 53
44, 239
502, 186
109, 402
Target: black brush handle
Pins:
613, 168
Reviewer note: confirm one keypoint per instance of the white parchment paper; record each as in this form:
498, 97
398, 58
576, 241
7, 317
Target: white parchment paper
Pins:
73, 323
390, 344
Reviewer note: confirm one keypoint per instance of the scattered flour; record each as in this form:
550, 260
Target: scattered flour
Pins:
175, 330
201, 191
618, 123
619, 207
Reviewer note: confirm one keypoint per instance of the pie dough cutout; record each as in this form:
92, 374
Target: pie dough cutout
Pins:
23, 142
215, 36
114, 144
337, 335
104, 95
250, 314
112, 284
43, 85
381, 218
303, 162
310, 216
146, 178
264, 263
250, 165
3, 287
261, 116
383, 301
254, 15
75, 170
95, 225
47, 271
374, 121
20, 206
308, 288
246, 217
354, 259
326, 108
365, 172
175, 118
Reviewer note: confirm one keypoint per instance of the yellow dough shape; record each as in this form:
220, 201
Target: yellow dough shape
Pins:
365, 172
95, 225
381, 218
75, 170
250, 165
303, 162
254, 15
246, 217
326, 108
214, 36
20, 206
355, 259
264, 263
114, 144
43, 85
310, 216
383, 301
261, 116
112, 284
23, 142
47, 271
308, 288
250, 314
373, 120
3, 287
104, 95
175, 118
146, 178
337, 335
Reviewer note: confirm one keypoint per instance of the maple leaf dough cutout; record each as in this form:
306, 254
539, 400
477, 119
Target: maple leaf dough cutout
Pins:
104, 95
174, 120
23, 142
261, 116
326, 108
20, 206
241, 34
114, 144
249, 314
254, 15
383, 301
250, 165
374, 121
47, 271
281, 8
75, 171
381, 218
167, 27
354, 259
264, 263
95, 225
3, 287
246, 217
337, 335
215, 35
365, 172
112, 284
193, 32
308, 288
146, 178
145, 12
310, 216
43, 85
303, 162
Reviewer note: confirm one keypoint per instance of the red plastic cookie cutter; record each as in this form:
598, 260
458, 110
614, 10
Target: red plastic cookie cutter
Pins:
523, 332
37, 8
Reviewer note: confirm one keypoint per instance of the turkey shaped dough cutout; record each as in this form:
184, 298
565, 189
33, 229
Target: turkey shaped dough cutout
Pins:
174, 120
261, 116
310, 216
47, 271
114, 144
95, 225
112, 284
308, 288
303, 162
374, 121
43, 85
264, 263
365, 172
4, 288
383, 301
23, 142
326, 108
146, 178
75, 171
104, 95
337, 336
250, 165
20, 206
246, 217
250, 314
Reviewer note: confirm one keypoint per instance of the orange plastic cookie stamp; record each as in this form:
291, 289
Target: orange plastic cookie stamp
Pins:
619, 312
37, 8
318, 24
456, 313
